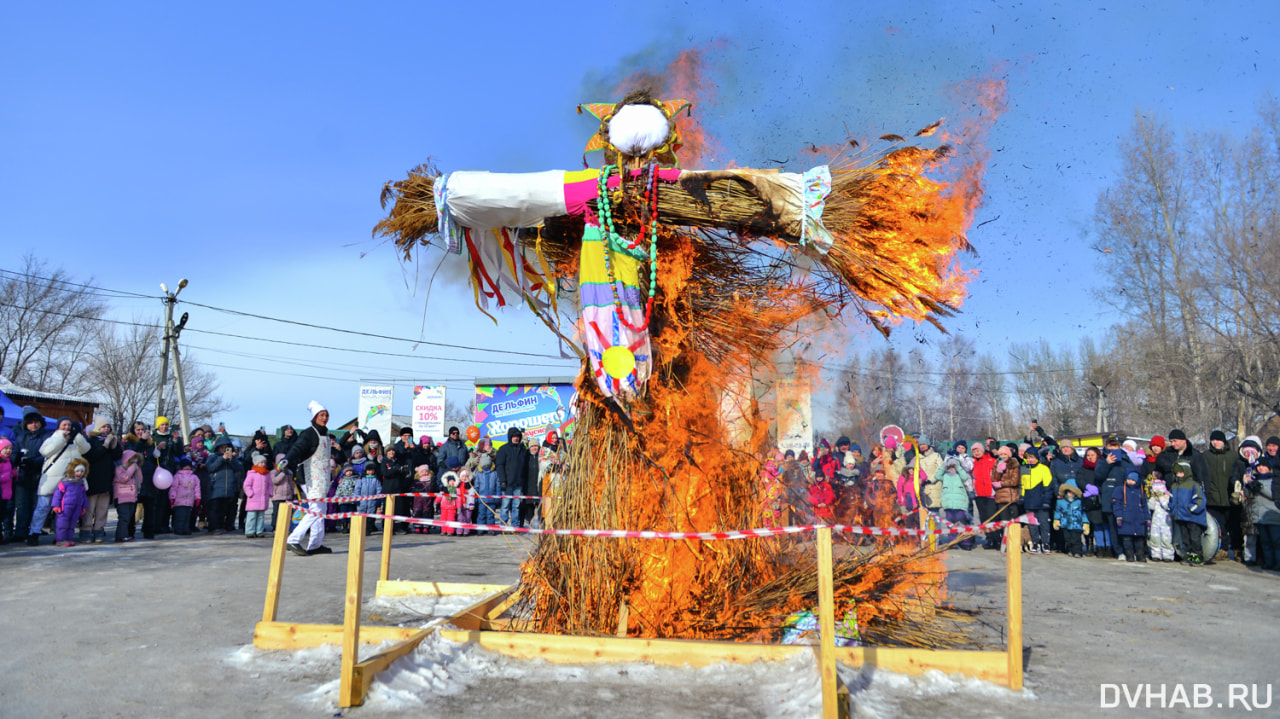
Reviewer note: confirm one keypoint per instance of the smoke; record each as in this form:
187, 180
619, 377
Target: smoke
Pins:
765, 101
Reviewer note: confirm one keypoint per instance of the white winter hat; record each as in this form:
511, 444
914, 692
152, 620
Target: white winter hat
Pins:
315, 408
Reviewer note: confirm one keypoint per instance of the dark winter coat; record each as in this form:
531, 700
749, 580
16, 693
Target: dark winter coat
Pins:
1064, 469
512, 462
396, 476
171, 452
286, 442
306, 445
532, 483
226, 476
1219, 465
1112, 477
1170, 456
102, 464
1130, 507
26, 449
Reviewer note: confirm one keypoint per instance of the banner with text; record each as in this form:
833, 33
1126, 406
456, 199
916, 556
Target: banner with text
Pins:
535, 409
374, 410
428, 412
795, 415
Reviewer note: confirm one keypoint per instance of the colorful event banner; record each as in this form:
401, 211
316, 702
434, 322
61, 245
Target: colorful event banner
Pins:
795, 416
374, 410
428, 412
535, 409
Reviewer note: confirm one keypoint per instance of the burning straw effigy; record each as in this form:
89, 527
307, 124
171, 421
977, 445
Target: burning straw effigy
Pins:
687, 283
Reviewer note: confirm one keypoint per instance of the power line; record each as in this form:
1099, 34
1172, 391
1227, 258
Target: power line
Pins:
225, 310
115, 293
405, 355
364, 334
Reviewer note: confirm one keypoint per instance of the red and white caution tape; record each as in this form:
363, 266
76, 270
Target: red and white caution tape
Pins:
349, 500
710, 536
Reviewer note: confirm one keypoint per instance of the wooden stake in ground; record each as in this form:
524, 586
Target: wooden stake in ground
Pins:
827, 625
349, 693
275, 574
1013, 544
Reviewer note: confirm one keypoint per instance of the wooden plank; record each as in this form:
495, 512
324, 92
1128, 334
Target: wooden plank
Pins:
987, 665
384, 568
295, 635
366, 670
827, 626
348, 691
497, 611
276, 573
476, 616
1013, 564
402, 588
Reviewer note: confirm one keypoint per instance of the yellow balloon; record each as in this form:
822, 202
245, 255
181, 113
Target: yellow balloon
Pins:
618, 362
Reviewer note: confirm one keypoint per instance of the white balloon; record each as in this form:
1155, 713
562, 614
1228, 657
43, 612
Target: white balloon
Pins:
162, 479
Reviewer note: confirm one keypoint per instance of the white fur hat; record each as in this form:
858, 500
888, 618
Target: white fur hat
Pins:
315, 408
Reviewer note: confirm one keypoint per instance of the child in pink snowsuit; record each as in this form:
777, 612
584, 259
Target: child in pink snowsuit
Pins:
70, 500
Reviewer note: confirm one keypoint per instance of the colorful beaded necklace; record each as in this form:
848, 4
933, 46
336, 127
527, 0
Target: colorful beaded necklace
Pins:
614, 241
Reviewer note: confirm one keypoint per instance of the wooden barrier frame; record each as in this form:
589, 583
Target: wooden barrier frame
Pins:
478, 622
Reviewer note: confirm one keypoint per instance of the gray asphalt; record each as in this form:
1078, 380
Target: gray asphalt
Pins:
149, 628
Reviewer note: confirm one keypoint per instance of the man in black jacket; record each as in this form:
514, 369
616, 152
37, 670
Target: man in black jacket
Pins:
512, 464
1180, 449
29, 462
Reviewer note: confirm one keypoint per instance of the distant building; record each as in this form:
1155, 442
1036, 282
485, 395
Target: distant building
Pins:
51, 404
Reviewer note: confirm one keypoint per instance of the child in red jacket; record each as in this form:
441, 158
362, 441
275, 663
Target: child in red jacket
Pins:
822, 497
447, 502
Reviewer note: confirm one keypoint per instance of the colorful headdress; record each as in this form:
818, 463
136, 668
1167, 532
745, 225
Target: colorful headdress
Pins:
664, 153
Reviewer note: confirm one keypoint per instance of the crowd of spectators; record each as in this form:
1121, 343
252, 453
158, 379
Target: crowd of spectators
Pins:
1130, 499
63, 481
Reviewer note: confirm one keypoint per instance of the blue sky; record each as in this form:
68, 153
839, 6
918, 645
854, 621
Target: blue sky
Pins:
243, 146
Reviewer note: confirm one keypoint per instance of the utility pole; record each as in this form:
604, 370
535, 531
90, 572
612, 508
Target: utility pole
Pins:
170, 344
1102, 407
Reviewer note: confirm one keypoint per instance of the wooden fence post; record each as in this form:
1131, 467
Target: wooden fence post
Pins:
1013, 563
276, 572
349, 691
388, 526
827, 625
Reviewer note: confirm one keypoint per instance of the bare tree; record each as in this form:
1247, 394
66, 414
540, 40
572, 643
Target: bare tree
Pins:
124, 370
956, 354
458, 414
46, 321
991, 383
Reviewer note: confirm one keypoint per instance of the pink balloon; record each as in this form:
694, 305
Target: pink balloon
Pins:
162, 479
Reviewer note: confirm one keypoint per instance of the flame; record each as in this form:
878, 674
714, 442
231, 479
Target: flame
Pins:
666, 462
684, 77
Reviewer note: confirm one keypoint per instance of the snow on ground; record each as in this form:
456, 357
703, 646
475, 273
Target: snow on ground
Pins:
444, 678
